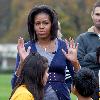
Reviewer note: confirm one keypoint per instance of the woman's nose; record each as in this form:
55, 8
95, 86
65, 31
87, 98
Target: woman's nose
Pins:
41, 25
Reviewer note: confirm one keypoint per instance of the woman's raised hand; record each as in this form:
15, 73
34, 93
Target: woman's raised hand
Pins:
21, 49
71, 54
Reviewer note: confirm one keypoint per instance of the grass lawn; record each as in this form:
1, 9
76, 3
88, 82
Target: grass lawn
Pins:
73, 97
5, 87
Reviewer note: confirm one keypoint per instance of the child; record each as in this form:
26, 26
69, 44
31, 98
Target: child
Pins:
32, 79
84, 84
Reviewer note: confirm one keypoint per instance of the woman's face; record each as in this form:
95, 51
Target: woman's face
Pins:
45, 77
42, 25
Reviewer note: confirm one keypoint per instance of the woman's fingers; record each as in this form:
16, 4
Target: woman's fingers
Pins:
77, 46
28, 50
67, 43
64, 52
72, 43
21, 41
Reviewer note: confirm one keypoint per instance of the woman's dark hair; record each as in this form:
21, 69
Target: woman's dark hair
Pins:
53, 18
34, 67
85, 82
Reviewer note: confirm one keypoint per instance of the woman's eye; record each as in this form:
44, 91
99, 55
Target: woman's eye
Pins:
37, 23
42, 23
45, 23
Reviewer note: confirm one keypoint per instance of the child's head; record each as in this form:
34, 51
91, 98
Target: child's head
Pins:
35, 69
84, 82
34, 74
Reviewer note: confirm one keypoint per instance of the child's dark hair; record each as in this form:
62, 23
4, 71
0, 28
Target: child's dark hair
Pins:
34, 67
85, 82
53, 18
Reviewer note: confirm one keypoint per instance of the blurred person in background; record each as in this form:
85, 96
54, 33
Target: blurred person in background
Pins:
88, 43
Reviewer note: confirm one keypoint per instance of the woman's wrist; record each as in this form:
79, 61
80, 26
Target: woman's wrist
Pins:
20, 66
19, 69
76, 65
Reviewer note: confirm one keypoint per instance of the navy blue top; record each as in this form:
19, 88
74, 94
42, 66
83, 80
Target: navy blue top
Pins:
60, 71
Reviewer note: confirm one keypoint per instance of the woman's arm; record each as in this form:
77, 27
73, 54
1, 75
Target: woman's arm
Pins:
22, 54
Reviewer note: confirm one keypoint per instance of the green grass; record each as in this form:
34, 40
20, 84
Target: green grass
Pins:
5, 87
73, 97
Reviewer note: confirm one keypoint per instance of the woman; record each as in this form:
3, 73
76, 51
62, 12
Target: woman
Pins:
32, 79
43, 28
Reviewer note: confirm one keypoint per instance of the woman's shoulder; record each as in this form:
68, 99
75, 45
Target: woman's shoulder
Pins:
62, 44
29, 43
61, 41
22, 92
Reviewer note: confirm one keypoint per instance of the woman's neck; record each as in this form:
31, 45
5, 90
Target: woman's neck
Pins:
44, 41
47, 45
